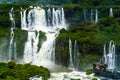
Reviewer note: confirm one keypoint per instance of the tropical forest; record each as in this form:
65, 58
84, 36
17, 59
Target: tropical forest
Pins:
59, 39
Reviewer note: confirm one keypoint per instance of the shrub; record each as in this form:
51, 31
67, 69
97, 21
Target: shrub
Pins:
89, 71
94, 78
13, 71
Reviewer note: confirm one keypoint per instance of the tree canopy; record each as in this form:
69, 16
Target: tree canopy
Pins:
60, 2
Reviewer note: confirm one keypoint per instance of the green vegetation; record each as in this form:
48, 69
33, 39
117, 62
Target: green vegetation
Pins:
13, 71
90, 36
4, 14
62, 2
89, 71
94, 79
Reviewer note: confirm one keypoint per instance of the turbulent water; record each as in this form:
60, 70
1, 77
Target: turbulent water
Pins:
74, 75
50, 22
110, 57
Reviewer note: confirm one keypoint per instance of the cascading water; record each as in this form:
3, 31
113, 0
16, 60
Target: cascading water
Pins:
91, 15
71, 65
104, 54
31, 46
73, 61
111, 12
12, 45
84, 14
50, 22
110, 57
76, 55
96, 16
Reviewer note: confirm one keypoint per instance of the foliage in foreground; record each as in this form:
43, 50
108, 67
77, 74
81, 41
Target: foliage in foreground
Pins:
94, 78
13, 71
89, 71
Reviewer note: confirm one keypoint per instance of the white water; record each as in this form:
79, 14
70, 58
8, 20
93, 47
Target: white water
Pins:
96, 16
76, 55
12, 44
71, 65
31, 47
36, 21
74, 61
111, 12
105, 54
110, 57
69, 76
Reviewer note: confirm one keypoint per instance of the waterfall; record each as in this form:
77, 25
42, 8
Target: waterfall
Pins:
49, 17
104, 54
110, 57
23, 19
111, 12
12, 18
76, 55
12, 45
91, 15
50, 22
84, 14
73, 61
28, 51
71, 65
96, 16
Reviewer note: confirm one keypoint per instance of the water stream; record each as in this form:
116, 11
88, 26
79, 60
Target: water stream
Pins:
50, 22
12, 44
110, 57
96, 16
111, 12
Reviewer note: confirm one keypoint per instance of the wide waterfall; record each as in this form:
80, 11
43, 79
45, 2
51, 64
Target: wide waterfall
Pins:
110, 58
50, 22
12, 45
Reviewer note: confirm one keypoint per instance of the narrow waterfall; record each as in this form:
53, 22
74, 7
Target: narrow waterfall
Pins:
111, 12
84, 14
104, 54
12, 46
110, 57
74, 61
96, 16
76, 55
50, 22
91, 15
71, 65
